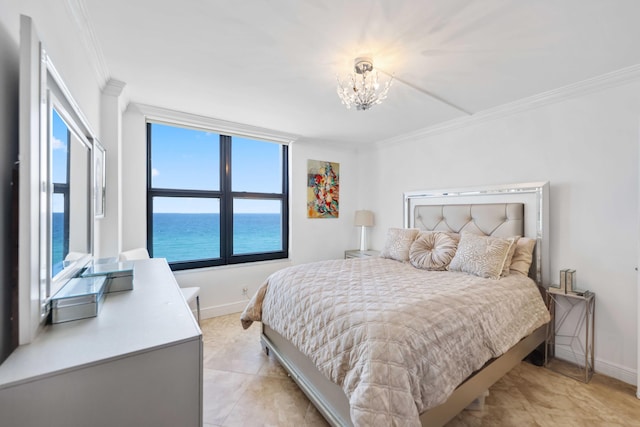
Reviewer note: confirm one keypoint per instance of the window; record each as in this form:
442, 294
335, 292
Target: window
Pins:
215, 199
60, 198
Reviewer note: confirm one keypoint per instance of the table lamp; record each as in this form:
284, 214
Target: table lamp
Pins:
363, 219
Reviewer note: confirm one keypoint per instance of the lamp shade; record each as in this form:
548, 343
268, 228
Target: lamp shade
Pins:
364, 219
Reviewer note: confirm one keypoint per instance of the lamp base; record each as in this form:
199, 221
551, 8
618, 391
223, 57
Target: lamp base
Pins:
363, 238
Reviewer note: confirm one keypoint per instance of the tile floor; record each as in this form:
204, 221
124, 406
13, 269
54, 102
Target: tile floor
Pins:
245, 387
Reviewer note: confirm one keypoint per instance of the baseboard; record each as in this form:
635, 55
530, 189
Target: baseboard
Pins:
622, 373
222, 310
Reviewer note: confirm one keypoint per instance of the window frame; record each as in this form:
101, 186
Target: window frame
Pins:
226, 197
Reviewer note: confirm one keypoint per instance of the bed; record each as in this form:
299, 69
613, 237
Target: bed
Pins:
386, 342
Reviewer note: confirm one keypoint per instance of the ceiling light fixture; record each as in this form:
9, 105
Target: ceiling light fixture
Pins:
361, 89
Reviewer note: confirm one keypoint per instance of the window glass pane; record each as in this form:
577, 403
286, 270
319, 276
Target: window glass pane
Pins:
186, 229
59, 149
60, 175
185, 159
60, 234
257, 226
256, 166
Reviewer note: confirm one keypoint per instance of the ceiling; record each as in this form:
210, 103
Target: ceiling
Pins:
273, 63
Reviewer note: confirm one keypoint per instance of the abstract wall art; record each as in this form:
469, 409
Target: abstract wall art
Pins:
323, 189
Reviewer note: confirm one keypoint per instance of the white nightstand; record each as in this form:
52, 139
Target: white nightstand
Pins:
355, 253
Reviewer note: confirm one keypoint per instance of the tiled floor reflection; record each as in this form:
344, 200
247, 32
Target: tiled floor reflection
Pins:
245, 387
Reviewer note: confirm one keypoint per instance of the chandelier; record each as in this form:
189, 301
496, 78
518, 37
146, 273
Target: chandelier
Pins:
362, 90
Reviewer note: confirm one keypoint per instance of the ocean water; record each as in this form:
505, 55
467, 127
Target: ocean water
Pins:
57, 241
188, 237
191, 237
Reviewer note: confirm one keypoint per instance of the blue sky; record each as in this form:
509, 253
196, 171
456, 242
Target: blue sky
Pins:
189, 159
59, 148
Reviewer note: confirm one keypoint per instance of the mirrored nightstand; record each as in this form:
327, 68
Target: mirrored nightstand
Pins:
571, 334
355, 253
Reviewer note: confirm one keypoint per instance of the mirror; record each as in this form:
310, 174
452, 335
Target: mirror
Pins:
70, 199
66, 223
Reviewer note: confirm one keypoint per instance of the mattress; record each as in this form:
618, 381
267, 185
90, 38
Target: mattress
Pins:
396, 339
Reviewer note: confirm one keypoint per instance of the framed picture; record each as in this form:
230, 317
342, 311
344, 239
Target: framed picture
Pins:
99, 178
323, 189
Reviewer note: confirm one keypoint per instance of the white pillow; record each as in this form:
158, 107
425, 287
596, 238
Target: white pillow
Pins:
432, 251
398, 243
483, 256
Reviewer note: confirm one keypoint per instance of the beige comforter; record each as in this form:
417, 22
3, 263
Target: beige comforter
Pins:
398, 340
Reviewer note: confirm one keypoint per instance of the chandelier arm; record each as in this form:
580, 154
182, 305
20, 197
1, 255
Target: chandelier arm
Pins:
426, 92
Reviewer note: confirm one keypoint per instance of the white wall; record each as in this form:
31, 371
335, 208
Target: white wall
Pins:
310, 239
587, 147
321, 239
108, 231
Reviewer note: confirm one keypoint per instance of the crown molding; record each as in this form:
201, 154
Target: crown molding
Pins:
584, 87
116, 89
80, 15
328, 144
113, 87
164, 115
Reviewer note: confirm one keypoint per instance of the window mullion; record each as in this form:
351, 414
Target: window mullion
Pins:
169, 192
285, 199
251, 195
149, 192
226, 200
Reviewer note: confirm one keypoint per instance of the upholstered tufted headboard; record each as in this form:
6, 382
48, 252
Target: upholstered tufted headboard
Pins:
498, 219
501, 211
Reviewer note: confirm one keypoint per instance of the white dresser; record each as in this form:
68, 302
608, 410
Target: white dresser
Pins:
138, 363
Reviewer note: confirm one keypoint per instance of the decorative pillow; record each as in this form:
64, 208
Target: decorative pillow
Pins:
507, 262
523, 255
432, 251
483, 256
398, 242
454, 236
